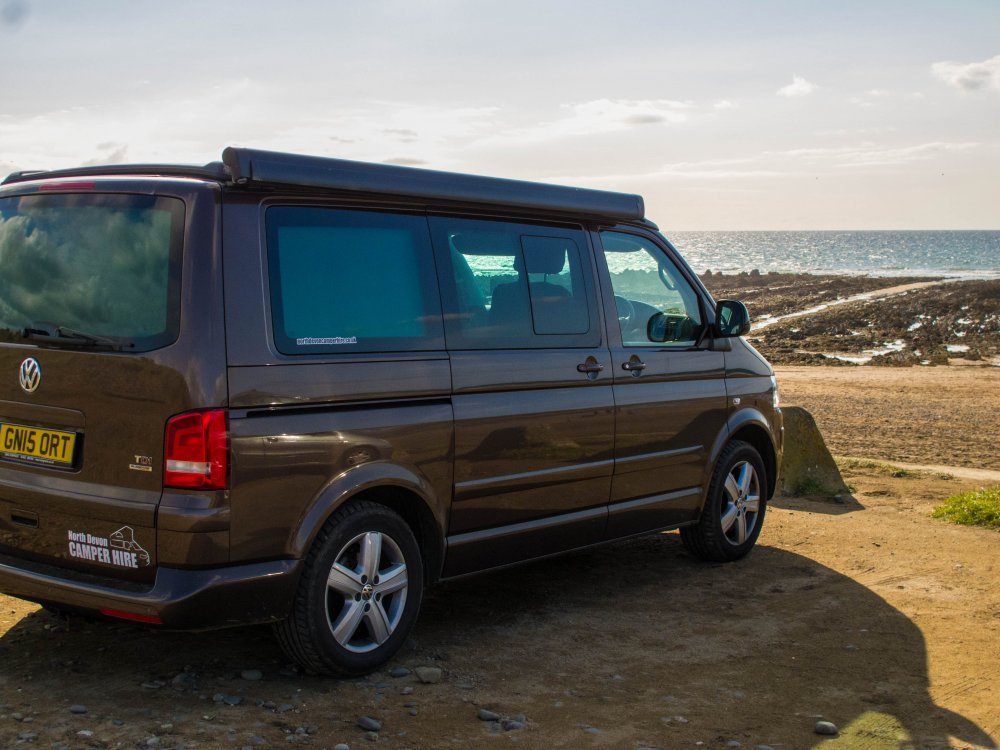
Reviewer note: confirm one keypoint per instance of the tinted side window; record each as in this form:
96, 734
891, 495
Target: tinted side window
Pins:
647, 284
351, 281
509, 285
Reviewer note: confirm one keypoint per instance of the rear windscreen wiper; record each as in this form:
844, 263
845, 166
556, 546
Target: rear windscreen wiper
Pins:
63, 336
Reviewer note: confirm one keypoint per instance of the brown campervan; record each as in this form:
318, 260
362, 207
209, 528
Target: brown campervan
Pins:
298, 390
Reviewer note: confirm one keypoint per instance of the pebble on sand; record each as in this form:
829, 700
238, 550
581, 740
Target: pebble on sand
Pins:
428, 675
369, 724
825, 727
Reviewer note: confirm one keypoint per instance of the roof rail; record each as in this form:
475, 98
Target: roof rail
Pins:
251, 165
215, 170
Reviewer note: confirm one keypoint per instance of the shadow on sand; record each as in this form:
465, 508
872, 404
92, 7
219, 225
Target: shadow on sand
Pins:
754, 650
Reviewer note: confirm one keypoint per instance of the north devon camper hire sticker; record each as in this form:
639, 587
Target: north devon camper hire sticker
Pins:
119, 549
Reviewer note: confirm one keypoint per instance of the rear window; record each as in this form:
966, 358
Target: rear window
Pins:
345, 281
83, 270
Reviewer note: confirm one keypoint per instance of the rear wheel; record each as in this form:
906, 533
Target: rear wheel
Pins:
734, 508
359, 593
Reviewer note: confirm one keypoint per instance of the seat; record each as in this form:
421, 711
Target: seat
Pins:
514, 313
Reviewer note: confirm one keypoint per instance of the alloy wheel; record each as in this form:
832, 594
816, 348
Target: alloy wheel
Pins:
741, 503
366, 591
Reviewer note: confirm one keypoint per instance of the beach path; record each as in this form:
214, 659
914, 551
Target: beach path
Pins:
891, 291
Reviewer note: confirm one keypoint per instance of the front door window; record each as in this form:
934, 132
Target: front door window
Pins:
656, 305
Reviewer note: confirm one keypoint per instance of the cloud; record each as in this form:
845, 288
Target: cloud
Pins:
975, 76
870, 155
13, 13
783, 164
798, 87
773, 163
707, 169
874, 130
870, 97
644, 119
724, 104
596, 117
405, 135
195, 125
611, 116
117, 153
405, 161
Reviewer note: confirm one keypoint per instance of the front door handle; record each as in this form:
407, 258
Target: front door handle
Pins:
591, 365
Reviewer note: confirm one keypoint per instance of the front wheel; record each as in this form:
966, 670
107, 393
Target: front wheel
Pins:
359, 593
734, 508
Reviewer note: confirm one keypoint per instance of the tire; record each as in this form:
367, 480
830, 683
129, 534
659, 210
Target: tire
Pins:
359, 593
734, 508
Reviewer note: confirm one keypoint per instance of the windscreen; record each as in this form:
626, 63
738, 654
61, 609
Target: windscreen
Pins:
90, 269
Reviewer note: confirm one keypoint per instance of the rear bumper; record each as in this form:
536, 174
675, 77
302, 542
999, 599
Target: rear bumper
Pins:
212, 598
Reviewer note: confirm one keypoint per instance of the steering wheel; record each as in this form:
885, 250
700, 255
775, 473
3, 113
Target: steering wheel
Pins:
626, 312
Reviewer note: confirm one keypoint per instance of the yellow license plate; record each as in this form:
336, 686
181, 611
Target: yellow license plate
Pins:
37, 446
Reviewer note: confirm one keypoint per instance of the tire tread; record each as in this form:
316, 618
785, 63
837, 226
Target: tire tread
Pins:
297, 633
704, 539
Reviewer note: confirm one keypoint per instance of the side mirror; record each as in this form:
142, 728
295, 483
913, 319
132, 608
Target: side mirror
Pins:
656, 328
670, 327
731, 319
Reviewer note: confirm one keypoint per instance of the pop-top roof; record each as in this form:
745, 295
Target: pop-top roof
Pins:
246, 166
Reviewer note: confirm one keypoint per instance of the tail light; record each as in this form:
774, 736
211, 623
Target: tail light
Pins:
196, 451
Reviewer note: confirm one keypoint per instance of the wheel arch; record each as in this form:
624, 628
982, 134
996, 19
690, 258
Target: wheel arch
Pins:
750, 426
396, 487
760, 439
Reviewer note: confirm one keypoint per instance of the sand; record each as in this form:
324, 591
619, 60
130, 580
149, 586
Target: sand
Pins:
919, 415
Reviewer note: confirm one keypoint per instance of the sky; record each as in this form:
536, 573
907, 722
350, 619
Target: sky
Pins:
723, 115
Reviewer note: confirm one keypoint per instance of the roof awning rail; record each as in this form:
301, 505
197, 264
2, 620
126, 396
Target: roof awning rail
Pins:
270, 167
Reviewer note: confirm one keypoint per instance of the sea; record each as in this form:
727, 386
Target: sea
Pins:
948, 253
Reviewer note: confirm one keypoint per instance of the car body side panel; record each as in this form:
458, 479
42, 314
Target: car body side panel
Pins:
667, 417
304, 426
533, 436
284, 460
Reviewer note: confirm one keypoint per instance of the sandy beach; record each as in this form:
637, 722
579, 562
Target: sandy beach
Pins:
866, 613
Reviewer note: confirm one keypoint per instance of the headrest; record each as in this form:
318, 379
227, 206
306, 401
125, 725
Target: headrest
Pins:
547, 258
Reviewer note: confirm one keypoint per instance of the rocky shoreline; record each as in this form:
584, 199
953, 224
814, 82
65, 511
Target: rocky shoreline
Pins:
947, 323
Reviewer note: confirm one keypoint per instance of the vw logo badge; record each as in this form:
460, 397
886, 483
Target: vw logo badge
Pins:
30, 375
